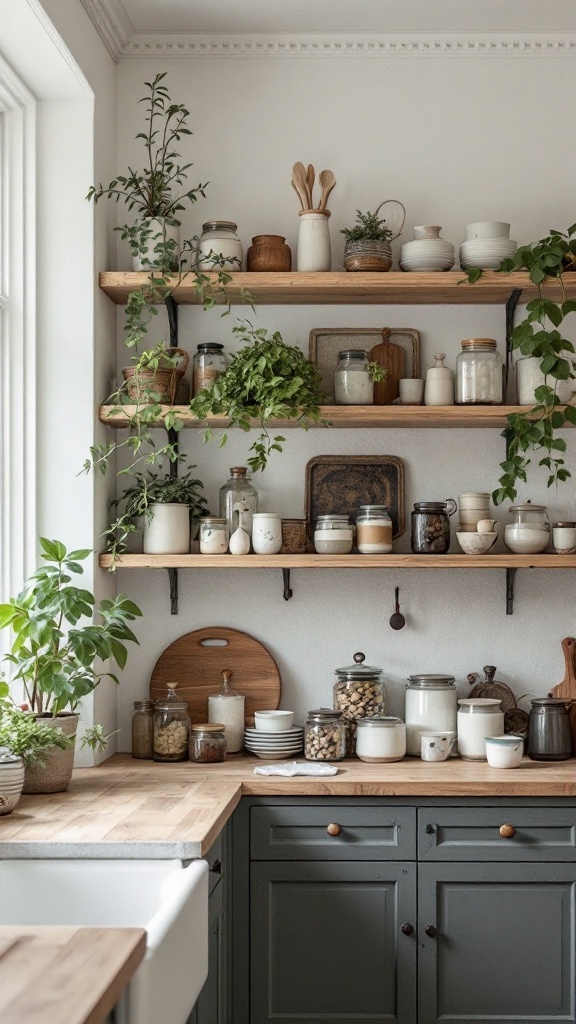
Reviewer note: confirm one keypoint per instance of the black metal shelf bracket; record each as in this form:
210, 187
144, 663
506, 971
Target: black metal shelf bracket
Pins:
287, 591
172, 310
173, 578
510, 582
511, 304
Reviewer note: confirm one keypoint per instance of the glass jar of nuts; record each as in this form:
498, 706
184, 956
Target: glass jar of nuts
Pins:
358, 693
171, 727
325, 736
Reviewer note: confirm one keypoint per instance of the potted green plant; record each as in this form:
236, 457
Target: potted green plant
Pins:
165, 507
266, 380
54, 658
367, 245
23, 741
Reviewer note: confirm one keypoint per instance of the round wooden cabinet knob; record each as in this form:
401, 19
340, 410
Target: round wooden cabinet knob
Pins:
334, 829
507, 831
407, 928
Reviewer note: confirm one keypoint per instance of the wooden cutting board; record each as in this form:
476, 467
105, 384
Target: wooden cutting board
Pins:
391, 358
195, 662
567, 688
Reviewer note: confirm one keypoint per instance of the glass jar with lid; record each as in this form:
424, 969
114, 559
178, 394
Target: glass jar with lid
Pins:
381, 739
352, 382
373, 530
236, 497
529, 531
219, 247
549, 735
207, 743
208, 364
324, 736
431, 706
358, 693
213, 535
478, 718
431, 526
227, 707
171, 727
334, 535
143, 730
479, 378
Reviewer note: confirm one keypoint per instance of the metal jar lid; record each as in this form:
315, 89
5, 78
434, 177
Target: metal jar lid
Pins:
323, 714
527, 507
219, 225
383, 722
472, 343
359, 670
429, 506
550, 703
430, 682
479, 705
212, 727
209, 346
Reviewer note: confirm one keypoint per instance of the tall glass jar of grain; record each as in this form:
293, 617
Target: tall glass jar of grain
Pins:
171, 727
358, 693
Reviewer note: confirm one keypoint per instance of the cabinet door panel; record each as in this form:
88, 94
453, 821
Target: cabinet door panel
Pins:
473, 833
368, 832
326, 943
504, 946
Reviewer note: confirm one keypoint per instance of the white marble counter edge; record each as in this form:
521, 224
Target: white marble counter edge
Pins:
129, 849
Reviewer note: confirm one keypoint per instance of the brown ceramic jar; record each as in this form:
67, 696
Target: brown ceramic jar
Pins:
269, 253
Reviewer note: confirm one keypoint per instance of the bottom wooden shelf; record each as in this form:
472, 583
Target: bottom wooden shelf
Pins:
314, 561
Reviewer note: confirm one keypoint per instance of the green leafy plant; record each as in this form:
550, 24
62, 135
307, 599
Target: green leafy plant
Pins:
149, 490
539, 335
368, 226
266, 380
51, 654
24, 735
377, 372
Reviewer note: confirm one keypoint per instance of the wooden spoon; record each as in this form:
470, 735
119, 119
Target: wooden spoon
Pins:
300, 179
302, 207
327, 182
310, 179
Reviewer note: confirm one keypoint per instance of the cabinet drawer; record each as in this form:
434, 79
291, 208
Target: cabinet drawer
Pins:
365, 832
503, 833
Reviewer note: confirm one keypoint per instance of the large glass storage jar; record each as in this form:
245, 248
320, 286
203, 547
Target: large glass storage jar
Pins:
213, 535
324, 736
333, 535
479, 376
238, 496
208, 364
381, 739
478, 717
227, 708
373, 530
219, 247
207, 743
431, 526
529, 531
358, 693
143, 729
431, 706
352, 382
171, 727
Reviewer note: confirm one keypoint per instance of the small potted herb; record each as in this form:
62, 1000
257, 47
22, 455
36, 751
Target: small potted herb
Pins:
367, 245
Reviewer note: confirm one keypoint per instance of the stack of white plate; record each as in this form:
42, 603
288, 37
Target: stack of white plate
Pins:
427, 255
274, 746
486, 253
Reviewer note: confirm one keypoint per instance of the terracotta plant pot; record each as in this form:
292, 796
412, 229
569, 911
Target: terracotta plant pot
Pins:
53, 776
11, 782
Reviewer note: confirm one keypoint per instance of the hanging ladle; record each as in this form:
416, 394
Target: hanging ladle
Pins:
397, 620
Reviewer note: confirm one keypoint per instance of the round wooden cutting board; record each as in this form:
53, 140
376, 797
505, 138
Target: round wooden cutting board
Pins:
195, 662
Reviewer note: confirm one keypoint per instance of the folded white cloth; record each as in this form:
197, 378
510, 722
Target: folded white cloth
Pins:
290, 768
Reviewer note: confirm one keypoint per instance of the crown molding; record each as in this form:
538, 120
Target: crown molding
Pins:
112, 24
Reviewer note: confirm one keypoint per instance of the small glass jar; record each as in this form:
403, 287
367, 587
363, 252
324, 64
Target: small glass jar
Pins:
333, 535
352, 382
238, 496
219, 247
213, 536
478, 718
143, 730
381, 739
373, 530
479, 376
431, 526
208, 364
207, 743
266, 533
564, 538
324, 736
431, 706
358, 693
171, 727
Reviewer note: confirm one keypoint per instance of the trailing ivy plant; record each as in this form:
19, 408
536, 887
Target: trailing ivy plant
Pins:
540, 335
266, 380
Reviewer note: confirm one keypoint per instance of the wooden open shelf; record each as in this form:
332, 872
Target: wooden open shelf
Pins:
315, 561
340, 287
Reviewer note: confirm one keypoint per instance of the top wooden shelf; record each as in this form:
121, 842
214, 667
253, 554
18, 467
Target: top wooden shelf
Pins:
341, 288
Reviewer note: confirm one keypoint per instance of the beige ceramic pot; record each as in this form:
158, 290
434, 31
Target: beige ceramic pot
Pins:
54, 775
11, 780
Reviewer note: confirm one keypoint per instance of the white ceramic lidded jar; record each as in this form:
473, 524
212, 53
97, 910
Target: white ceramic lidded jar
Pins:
478, 718
266, 533
380, 739
314, 251
431, 706
227, 707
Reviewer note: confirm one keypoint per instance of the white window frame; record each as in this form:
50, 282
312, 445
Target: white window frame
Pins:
17, 331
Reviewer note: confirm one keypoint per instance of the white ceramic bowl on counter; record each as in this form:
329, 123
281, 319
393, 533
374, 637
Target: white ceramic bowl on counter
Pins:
273, 721
504, 751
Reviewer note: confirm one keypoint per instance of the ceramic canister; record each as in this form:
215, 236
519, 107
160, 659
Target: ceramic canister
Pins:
478, 718
380, 739
431, 705
266, 533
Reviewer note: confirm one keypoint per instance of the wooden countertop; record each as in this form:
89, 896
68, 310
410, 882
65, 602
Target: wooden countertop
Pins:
131, 809
50, 975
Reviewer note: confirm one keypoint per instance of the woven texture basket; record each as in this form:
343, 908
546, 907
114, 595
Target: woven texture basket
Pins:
53, 776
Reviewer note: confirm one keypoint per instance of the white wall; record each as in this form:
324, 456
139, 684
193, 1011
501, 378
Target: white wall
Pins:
457, 139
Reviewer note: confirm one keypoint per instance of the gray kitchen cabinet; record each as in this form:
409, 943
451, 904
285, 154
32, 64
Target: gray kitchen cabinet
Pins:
318, 915
211, 1004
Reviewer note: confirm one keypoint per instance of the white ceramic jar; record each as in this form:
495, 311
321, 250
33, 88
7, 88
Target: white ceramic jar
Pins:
314, 251
431, 705
504, 751
439, 386
380, 739
564, 538
266, 533
219, 247
160, 233
167, 532
529, 376
478, 717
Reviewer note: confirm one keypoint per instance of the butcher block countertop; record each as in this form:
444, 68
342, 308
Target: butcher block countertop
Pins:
131, 809
50, 975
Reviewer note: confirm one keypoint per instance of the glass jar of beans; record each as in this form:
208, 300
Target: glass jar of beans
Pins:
358, 693
325, 736
171, 727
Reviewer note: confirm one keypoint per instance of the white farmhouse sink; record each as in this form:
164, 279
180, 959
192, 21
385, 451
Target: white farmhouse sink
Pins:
168, 900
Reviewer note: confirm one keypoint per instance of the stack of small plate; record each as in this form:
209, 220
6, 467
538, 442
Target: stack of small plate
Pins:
486, 253
274, 746
427, 255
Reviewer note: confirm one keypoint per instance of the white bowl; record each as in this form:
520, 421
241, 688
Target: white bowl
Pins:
475, 543
273, 721
488, 229
504, 751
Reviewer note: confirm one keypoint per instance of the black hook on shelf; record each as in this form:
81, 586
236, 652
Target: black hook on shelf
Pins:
287, 590
173, 578
510, 581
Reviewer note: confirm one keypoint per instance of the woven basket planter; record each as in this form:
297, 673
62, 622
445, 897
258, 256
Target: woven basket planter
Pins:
53, 776
368, 255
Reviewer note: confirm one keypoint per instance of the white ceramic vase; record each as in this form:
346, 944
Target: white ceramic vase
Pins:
168, 530
314, 251
161, 231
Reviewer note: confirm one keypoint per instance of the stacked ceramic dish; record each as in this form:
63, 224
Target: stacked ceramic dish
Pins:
274, 745
428, 252
487, 244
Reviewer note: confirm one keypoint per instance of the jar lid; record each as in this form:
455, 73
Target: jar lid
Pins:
332, 517
353, 353
430, 506
215, 225
211, 520
478, 343
321, 714
238, 470
550, 702
358, 670
266, 515
527, 506
474, 494
479, 705
209, 346
143, 705
208, 727
429, 681
378, 508
383, 722
171, 702
570, 525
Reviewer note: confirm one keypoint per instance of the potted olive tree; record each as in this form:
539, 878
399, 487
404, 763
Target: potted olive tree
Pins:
55, 658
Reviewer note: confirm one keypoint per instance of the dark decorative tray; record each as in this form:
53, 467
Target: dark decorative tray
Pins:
342, 483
